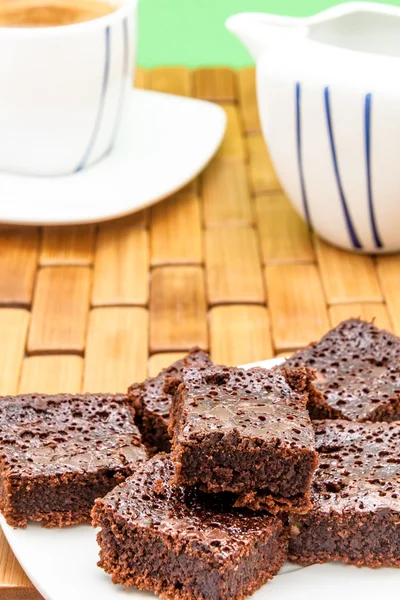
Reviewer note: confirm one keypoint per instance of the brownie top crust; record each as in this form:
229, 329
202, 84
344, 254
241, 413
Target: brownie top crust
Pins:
52, 434
359, 466
206, 522
256, 403
156, 393
358, 368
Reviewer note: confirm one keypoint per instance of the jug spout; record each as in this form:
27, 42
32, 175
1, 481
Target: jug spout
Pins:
259, 31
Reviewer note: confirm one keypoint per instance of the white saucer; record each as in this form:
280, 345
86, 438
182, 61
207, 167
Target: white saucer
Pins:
165, 142
61, 563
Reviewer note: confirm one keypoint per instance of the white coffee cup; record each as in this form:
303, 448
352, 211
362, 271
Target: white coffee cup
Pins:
63, 91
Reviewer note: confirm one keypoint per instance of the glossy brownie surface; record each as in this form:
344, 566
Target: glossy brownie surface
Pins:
257, 403
358, 368
359, 468
44, 435
356, 497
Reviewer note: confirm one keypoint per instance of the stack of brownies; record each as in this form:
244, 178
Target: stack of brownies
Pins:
246, 468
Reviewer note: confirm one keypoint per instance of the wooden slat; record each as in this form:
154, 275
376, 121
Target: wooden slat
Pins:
347, 276
51, 374
59, 311
172, 80
178, 317
116, 348
226, 198
297, 305
11, 574
121, 265
18, 260
248, 100
233, 147
285, 237
19, 593
191, 188
263, 179
218, 85
368, 311
160, 361
175, 232
140, 219
13, 331
388, 268
142, 79
239, 334
67, 245
233, 266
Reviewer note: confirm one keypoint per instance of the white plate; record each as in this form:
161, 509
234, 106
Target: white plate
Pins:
61, 563
164, 143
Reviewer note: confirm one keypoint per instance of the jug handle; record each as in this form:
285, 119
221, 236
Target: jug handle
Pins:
257, 31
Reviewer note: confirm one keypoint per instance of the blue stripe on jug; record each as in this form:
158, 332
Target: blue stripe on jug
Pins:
100, 110
124, 77
367, 124
299, 154
352, 233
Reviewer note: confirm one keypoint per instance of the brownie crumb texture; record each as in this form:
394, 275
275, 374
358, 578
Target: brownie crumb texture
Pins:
59, 453
182, 544
356, 497
358, 373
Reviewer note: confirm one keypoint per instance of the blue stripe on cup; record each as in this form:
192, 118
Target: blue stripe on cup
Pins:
97, 124
367, 131
351, 230
299, 154
124, 77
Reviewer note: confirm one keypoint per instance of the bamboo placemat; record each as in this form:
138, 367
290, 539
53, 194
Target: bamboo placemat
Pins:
225, 264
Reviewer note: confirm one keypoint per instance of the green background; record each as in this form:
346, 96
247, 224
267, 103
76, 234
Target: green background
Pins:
192, 32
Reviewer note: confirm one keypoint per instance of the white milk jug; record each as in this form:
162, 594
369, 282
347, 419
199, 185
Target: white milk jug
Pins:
329, 99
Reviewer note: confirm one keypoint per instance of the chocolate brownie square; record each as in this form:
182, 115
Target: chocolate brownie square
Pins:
183, 544
59, 453
358, 377
153, 398
356, 497
245, 432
